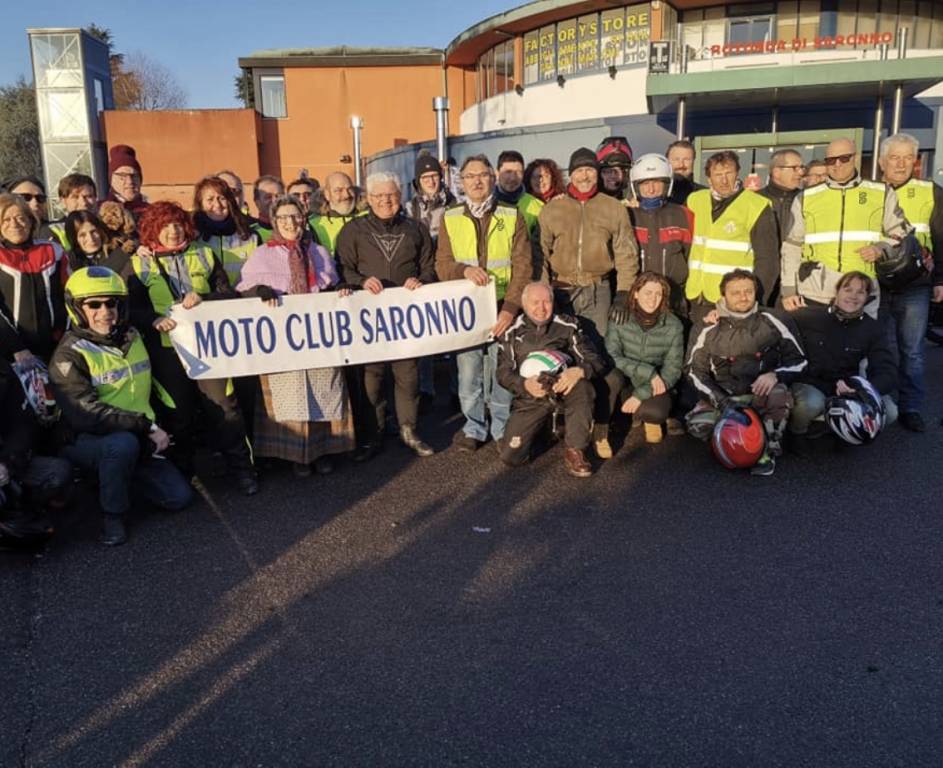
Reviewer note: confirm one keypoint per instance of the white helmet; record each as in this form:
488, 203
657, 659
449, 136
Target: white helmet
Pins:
543, 361
652, 166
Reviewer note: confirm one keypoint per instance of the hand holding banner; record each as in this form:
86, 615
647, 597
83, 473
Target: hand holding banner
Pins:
243, 337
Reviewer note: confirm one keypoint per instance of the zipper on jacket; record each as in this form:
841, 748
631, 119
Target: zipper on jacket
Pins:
841, 230
579, 243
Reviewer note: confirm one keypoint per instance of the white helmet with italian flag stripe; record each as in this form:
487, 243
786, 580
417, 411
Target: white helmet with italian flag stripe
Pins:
543, 361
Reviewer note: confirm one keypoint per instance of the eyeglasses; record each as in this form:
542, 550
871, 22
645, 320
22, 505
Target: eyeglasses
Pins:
839, 159
385, 196
29, 198
95, 304
289, 217
124, 176
473, 176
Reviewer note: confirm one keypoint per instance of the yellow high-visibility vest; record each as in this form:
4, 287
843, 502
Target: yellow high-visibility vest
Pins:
840, 221
718, 247
916, 201
232, 251
463, 235
122, 380
529, 207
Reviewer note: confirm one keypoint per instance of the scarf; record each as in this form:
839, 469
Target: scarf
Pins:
210, 228
647, 320
845, 317
478, 210
738, 185
158, 248
651, 203
510, 198
580, 196
299, 281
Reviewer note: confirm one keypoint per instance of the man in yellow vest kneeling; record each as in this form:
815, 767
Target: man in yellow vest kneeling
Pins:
101, 374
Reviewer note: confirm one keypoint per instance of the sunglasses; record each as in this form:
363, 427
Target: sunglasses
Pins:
838, 159
107, 304
29, 198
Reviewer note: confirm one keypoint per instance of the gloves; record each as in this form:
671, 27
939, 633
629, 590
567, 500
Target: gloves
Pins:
265, 293
619, 309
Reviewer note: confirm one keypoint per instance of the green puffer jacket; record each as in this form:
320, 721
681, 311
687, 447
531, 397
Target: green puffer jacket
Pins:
640, 354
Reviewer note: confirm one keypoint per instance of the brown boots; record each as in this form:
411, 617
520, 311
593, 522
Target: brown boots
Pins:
576, 463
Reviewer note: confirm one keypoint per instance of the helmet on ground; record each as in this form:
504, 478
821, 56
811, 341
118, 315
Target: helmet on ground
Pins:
857, 418
543, 361
89, 282
902, 265
614, 151
649, 167
739, 439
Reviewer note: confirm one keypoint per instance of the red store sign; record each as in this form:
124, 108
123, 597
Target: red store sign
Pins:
826, 42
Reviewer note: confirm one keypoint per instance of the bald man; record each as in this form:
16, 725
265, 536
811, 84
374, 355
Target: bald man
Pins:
843, 225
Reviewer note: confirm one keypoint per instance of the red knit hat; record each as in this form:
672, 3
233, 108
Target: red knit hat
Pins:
122, 155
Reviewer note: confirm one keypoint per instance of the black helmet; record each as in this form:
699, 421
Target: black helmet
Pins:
857, 418
900, 266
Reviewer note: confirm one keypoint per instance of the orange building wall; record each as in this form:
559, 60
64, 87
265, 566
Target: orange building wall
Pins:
177, 148
394, 102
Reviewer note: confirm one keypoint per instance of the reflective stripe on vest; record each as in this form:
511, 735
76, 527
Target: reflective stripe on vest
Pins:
840, 221
232, 251
188, 271
916, 201
718, 247
58, 229
529, 207
122, 380
463, 235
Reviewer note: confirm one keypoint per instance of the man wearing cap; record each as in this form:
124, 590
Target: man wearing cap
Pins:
125, 177
430, 196
843, 225
510, 188
587, 245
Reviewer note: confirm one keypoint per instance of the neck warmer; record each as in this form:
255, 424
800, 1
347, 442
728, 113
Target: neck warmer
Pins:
210, 228
28, 243
845, 317
480, 209
646, 319
158, 248
510, 198
651, 203
724, 311
581, 196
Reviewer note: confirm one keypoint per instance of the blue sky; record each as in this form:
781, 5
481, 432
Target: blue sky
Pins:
201, 41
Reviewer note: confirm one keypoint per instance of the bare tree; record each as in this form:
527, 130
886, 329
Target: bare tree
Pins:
145, 84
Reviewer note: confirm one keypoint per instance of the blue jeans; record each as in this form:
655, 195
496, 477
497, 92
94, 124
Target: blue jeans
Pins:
905, 314
122, 470
478, 387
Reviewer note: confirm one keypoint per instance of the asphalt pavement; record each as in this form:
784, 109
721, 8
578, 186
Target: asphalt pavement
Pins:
451, 611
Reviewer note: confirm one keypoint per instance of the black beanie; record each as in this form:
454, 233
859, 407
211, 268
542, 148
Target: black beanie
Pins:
427, 164
583, 158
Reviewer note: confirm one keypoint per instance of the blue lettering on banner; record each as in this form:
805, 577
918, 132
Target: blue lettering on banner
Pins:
466, 312
417, 327
246, 322
205, 339
267, 345
327, 342
309, 331
344, 336
367, 328
232, 348
451, 316
433, 318
397, 318
295, 345
381, 325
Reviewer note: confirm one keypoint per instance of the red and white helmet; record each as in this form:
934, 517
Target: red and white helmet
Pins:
739, 439
859, 418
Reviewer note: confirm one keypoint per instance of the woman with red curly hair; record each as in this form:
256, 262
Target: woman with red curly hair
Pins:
222, 225
544, 179
172, 268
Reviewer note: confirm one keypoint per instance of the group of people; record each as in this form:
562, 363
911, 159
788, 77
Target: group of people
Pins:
755, 320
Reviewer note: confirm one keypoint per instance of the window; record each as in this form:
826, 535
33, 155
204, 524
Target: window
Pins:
531, 57
504, 67
587, 55
636, 33
272, 90
566, 47
787, 19
809, 11
548, 53
612, 42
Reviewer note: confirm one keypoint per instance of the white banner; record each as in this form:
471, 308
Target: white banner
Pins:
242, 337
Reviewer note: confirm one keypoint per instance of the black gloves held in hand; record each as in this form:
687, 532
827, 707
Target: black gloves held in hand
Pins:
619, 309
